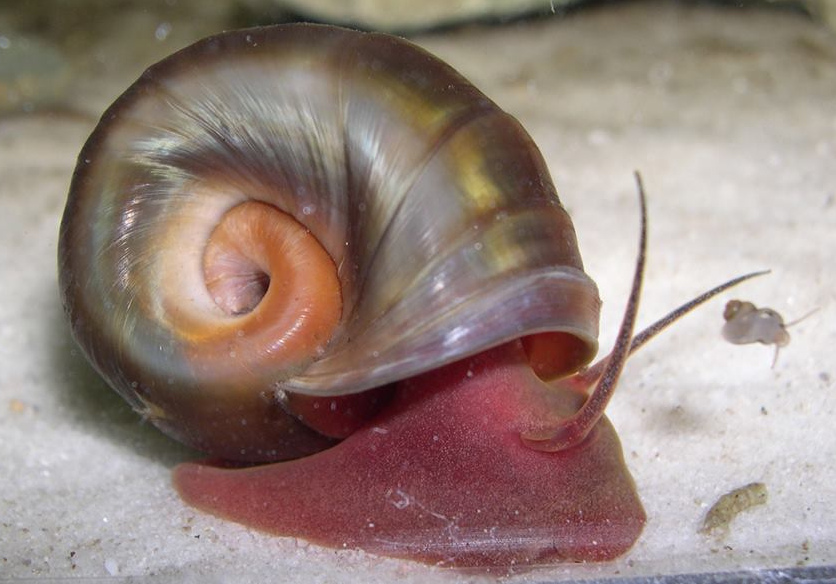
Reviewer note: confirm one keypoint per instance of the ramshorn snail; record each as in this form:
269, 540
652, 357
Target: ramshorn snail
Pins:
283, 237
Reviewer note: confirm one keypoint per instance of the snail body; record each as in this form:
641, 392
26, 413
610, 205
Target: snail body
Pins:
285, 237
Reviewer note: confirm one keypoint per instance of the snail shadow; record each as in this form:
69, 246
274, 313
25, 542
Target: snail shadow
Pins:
93, 406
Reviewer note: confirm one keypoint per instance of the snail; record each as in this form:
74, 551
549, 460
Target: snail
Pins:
746, 324
325, 252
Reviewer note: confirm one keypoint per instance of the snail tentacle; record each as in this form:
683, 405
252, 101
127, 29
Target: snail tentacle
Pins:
574, 429
604, 374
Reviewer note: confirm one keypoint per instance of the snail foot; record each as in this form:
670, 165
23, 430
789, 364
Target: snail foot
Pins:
441, 476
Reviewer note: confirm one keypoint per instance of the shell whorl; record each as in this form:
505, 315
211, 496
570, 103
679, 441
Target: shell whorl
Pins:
435, 207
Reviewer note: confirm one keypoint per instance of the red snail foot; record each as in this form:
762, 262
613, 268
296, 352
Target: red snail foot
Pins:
442, 476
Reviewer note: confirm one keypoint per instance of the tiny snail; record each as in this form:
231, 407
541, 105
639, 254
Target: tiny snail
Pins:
746, 323
304, 242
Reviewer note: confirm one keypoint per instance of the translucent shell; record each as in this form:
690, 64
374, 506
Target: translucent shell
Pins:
435, 206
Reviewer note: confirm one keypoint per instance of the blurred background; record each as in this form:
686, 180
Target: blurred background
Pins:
53, 52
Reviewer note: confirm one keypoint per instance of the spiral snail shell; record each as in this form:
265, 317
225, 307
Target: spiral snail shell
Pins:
281, 237
378, 151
